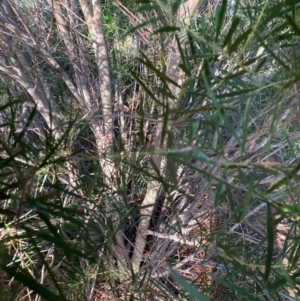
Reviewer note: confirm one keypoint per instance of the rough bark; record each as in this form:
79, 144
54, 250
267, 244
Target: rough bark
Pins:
103, 130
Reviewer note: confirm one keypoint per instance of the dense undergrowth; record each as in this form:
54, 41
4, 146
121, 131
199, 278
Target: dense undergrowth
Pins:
196, 195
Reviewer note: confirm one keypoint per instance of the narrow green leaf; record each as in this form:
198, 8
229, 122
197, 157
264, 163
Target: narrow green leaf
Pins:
220, 16
188, 287
235, 93
219, 108
170, 141
270, 239
285, 180
231, 31
239, 290
147, 5
293, 24
175, 6
208, 174
278, 30
144, 86
198, 154
141, 127
11, 103
292, 209
272, 53
260, 64
294, 251
52, 229
184, 65
245, 124
31, 283
240, 39
242, 208
68, 249
159, 73
25, 127
166, 29
171, 167
165, 120
165, 91
141, 25
218, 191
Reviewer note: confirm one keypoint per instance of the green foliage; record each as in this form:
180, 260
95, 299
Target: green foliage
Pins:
230, 140
230, 72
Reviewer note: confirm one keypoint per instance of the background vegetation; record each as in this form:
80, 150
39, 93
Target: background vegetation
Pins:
149, 150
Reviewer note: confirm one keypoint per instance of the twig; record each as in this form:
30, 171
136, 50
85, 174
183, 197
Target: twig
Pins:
257, 208
90, 298
180, 264
190, 242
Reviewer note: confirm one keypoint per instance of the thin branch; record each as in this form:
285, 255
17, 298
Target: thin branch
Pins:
174, 237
